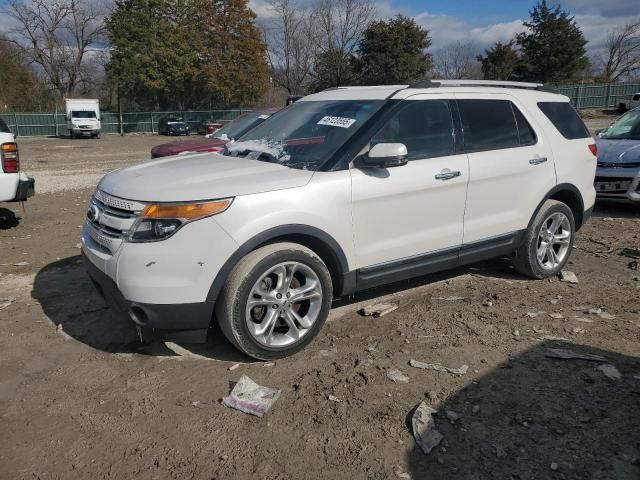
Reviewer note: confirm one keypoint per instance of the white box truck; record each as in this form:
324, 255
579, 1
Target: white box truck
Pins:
83, 117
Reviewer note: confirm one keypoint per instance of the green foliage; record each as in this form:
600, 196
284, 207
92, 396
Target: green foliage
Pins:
500, 62
333, 68
186, 53
393, 52
553, 46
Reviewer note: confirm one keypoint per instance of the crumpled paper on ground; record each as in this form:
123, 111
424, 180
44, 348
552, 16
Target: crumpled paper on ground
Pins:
249, 397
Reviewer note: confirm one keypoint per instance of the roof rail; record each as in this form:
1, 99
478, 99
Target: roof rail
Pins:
480, 83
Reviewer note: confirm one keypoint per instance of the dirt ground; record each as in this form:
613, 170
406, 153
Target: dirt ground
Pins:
79, 399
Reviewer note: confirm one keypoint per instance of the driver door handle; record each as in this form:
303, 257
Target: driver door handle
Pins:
447, 175
537, 160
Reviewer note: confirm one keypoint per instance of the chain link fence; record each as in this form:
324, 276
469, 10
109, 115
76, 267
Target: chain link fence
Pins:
32, 124
54, 123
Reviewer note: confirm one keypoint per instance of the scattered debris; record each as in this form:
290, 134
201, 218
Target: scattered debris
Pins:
378, 310
440, 368
583, 320
233, 367
487, 303
397, 376
4, 304
578, 330
269, 364
448, 299
333, 398
606, 316
403, 475
579, 309
539, 330
183, 352
452, 416
553, 338
249, 397
553, 466
424, 429
78, 245
434, 336
610, 371
516, 333
325, 353
196, 404
594, 311
60, 331
570, 355
568, 277
535, 314
20, 264
633, 265
556, 316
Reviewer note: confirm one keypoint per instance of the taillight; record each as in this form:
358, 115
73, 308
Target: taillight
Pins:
214, 150
10, 158
594, 149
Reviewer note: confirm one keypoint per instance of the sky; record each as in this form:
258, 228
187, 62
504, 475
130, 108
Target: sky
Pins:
484, 22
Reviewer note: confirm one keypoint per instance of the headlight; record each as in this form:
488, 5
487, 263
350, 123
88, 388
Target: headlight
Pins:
159, 221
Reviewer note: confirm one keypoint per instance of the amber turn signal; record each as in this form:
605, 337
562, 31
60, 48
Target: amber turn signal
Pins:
188, 211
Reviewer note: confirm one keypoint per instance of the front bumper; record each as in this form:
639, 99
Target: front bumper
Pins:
187, 322
618, 183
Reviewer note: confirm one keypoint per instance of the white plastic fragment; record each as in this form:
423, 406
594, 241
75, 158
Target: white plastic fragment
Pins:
249, 397
60, 331
610, 371
563, 354
397, 376
568, 277
424, 429
440, 368
378, 310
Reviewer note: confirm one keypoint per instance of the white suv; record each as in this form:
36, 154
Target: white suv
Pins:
343, 190
15, 186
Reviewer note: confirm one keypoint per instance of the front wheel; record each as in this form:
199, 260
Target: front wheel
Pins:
548, 242
275, 301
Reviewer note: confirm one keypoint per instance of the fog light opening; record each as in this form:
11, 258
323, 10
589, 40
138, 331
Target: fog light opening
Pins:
138, 316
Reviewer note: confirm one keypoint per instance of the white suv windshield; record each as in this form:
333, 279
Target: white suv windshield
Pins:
306, 134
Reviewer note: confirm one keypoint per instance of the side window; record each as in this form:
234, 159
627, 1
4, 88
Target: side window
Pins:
636, 96
488, 125
525, 131
565, 118
424, 126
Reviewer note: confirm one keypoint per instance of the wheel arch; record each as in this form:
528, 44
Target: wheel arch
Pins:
320, 242
570, 196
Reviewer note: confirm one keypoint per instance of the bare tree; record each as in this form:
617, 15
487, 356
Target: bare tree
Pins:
622, 58
57, 36
457, 61
292, 43
341, 24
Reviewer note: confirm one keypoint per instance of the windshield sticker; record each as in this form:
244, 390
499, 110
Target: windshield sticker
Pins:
263, 117
341, 122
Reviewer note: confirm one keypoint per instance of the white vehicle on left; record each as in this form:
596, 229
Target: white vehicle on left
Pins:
15, 186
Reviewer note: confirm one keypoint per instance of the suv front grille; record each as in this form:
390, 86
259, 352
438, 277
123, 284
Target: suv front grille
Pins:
109, 218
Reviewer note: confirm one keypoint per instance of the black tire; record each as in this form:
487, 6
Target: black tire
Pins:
525, 259
72, 134
231, 306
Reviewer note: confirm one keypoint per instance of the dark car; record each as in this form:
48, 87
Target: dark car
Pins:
205, 127
214, 143
172, 126
618, 172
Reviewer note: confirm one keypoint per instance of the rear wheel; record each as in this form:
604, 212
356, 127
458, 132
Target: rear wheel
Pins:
548, 242
275, 301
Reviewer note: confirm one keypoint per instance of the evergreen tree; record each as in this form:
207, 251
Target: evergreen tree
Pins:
553, 46
500, 62
393, 52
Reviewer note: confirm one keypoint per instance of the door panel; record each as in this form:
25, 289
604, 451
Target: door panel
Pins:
505, 184
406, 211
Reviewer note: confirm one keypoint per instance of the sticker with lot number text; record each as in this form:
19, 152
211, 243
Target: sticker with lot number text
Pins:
341, 122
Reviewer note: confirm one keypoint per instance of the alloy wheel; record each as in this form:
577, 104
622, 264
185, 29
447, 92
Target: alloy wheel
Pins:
554, 240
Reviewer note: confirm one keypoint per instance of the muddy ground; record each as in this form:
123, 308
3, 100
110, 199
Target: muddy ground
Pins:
80, 399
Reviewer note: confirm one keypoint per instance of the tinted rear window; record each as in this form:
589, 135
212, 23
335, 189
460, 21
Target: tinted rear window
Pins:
3, 127
565, 118
488, 124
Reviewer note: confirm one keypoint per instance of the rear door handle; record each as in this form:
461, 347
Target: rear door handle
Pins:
448, 175
537, 160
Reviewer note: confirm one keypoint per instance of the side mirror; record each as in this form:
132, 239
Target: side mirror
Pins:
385, 155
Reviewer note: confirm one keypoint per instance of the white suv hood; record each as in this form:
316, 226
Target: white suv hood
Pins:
200, 177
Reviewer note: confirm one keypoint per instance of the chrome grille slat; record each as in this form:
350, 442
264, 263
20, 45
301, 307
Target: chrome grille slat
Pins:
115, 217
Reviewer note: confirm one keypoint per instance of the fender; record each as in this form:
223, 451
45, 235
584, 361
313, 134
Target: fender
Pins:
558, 188
275, 233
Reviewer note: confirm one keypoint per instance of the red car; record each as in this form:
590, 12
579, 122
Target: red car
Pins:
231, 131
